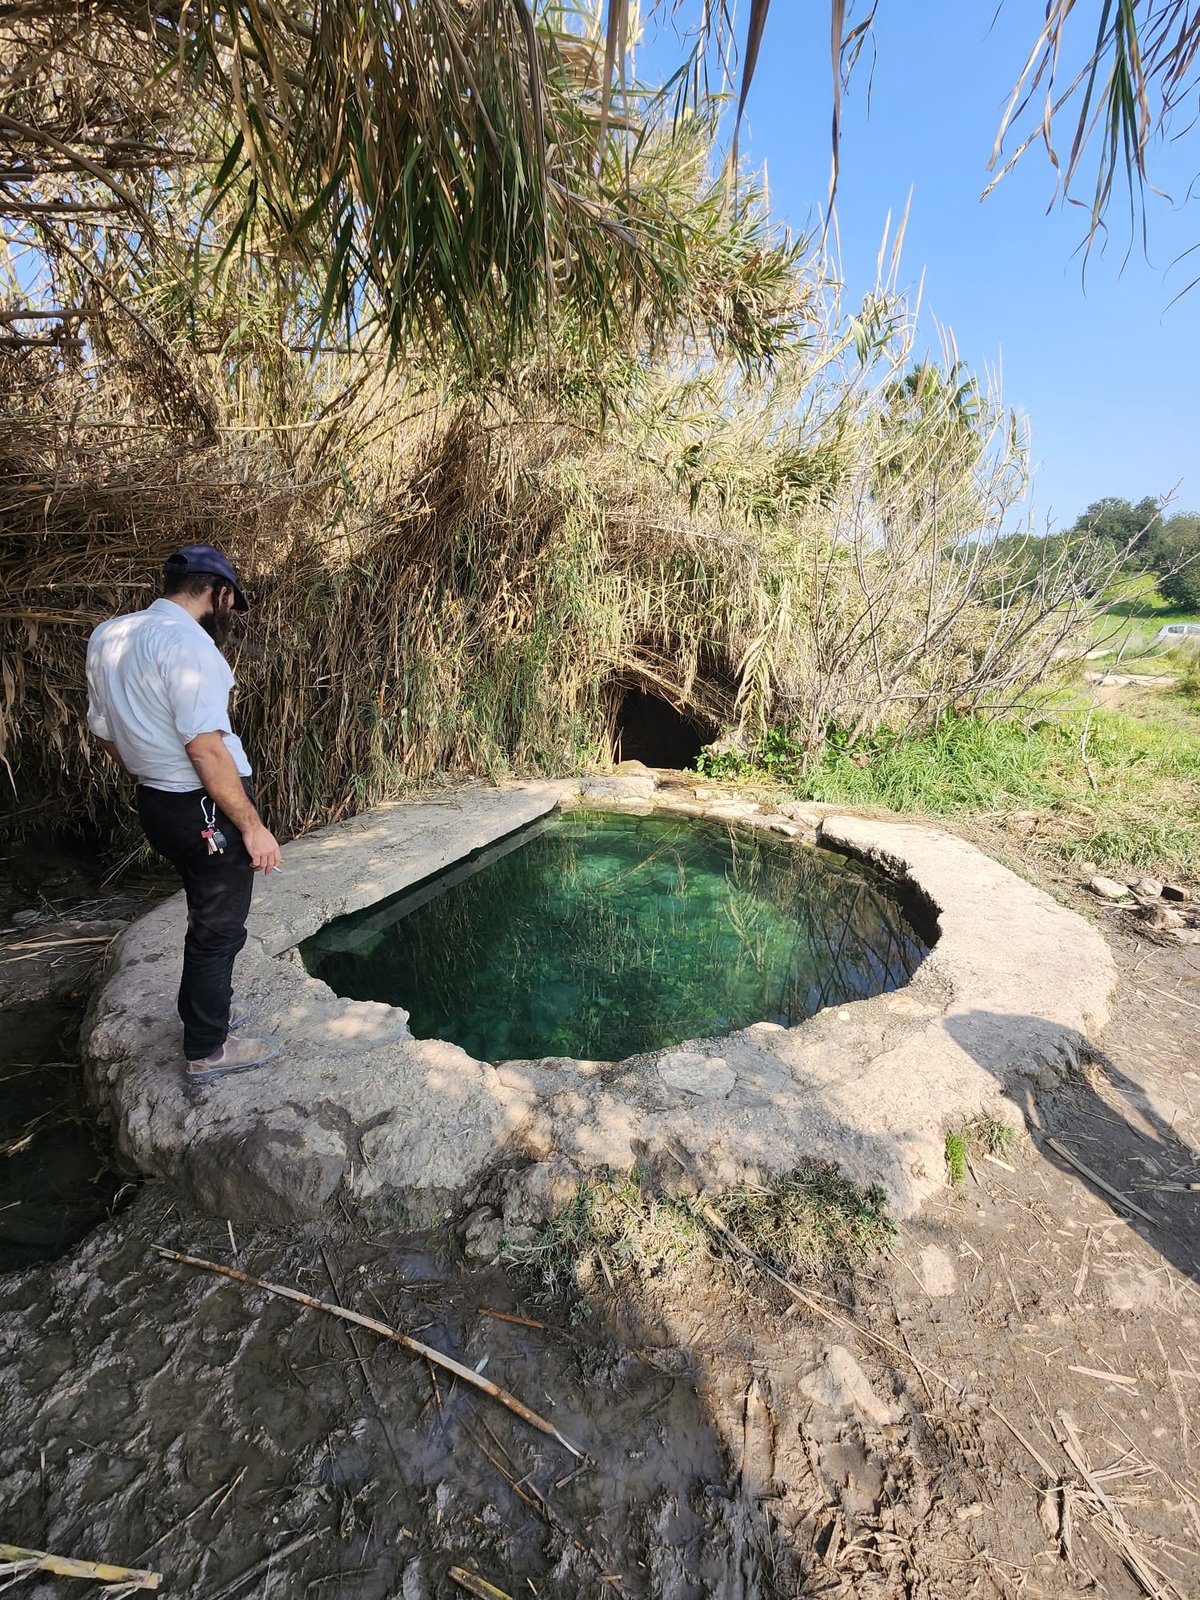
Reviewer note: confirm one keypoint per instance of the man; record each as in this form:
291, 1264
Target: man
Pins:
158, 701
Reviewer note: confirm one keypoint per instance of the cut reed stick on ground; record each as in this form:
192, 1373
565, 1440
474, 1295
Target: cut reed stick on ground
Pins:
1106, 1377
479, 1587
15, 1560
435, 1357
997, 1162
1112, 1523
508, 1316
1122, 1200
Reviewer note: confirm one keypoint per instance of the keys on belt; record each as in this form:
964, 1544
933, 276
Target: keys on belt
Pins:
214, 840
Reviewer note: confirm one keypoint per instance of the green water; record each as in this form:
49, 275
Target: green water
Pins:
605, 935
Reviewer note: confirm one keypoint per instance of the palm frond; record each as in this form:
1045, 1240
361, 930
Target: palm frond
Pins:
1122, 87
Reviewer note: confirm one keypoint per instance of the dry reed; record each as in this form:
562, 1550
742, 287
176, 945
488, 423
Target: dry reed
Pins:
735, 495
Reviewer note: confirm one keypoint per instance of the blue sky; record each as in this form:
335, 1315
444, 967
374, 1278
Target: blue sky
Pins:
1107, 373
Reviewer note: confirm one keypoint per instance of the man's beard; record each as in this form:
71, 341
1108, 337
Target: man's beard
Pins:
217, 624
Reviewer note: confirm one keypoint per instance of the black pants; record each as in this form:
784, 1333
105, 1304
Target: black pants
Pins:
218, 899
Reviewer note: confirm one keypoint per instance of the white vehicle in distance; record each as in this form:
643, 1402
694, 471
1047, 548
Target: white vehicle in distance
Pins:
1177, 633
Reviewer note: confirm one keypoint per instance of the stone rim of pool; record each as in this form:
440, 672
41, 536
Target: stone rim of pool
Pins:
358, 1114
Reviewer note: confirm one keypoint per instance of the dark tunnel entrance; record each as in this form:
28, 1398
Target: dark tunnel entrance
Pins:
650, 730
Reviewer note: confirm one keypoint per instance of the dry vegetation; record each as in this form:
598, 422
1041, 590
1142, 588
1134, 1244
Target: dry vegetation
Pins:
719, 485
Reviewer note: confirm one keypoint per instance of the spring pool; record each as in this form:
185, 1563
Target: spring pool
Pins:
603, 935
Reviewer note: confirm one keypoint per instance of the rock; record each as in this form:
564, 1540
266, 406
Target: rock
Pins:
809, 816
1130, 1288
618, 788
1048, 1068
1151, 887
938, 1275
1174, 891
1108, 888
788, 829
482, 1234
733, 810
1164, 917
536, 1193
274, 1166
1069, 1057
1187, 935
537, 1136
706, 1076
628, 769
840, 1384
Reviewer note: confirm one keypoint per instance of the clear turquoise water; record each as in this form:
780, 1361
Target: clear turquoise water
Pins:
604, 935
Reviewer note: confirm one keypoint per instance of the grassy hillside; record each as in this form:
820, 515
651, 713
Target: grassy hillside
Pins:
1130, 621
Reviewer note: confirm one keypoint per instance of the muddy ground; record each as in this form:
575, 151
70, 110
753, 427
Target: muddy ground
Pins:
1005, 1406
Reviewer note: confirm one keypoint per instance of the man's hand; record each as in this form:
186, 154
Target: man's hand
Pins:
216, 771
262, 848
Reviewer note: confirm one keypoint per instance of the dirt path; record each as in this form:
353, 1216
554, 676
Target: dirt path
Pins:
1026, 1427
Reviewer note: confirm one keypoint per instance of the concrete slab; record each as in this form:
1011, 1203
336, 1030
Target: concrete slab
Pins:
357, 1113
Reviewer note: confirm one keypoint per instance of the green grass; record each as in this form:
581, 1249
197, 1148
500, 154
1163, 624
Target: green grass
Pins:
984, 1133
1143, 759
1146, 811
963, 766
956, 1158
809, 1220
1135, 594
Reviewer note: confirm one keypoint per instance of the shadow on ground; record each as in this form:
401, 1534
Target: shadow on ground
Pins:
1120, 1135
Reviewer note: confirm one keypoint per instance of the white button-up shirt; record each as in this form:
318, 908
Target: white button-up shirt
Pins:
156, 680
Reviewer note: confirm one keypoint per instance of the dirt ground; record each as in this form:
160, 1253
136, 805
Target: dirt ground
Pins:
1004, 1406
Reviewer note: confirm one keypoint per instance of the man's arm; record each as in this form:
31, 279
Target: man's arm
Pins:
217, 772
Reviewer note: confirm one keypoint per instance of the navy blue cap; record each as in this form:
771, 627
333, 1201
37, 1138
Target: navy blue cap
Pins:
208, 559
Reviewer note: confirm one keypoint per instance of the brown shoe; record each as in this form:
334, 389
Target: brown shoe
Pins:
235, 1055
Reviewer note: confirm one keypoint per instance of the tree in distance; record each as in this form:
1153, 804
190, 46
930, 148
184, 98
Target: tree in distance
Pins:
1168, 547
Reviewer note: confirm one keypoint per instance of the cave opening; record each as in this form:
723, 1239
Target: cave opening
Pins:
651, 730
